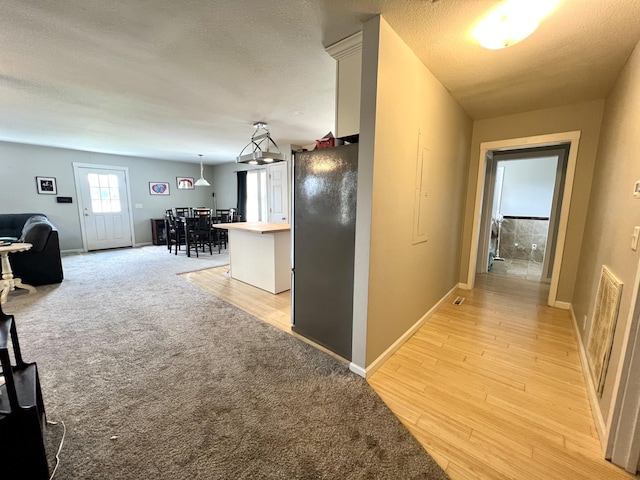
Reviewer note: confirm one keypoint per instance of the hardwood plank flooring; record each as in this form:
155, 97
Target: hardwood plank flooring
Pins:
493, 388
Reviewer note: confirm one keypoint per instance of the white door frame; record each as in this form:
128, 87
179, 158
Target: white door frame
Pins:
623, 427
77, 179
487, 214
556, 203
487, 211
572, 138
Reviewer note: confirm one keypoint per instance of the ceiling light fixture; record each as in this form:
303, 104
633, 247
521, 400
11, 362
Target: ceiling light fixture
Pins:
260, 144
511, 22
201, 182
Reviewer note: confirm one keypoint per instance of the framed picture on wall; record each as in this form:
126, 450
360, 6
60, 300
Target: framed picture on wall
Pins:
158, 188
185, 183
47, 185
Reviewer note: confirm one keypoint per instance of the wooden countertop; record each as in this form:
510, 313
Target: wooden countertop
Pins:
255, 227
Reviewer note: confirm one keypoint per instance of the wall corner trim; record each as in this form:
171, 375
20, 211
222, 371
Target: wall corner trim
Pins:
345, 47
358, 370
377, 363
563, 306
591, 390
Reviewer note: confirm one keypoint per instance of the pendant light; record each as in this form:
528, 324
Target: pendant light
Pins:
201, 182
261, 144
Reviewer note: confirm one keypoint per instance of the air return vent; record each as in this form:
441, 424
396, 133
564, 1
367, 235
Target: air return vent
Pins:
603, 325
458, 301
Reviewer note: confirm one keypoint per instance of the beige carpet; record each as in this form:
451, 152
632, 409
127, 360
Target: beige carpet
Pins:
156, 379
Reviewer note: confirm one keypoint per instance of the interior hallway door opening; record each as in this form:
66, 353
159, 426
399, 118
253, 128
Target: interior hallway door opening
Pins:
479, 243
520, 217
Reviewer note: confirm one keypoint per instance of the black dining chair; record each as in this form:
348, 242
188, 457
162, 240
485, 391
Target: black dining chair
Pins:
175, 232
222, 235
201, 211
191, 234
182, 211
202, 226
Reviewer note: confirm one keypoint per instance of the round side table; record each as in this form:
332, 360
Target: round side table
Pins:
8, 282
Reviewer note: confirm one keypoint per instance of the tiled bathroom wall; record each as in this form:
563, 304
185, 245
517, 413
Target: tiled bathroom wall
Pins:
517, 236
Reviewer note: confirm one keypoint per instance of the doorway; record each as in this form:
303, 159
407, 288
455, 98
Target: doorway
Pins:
479, 244
104, 206
519, 221
278, 193
257, 195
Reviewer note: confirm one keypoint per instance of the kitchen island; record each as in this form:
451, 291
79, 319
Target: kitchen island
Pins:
260, 254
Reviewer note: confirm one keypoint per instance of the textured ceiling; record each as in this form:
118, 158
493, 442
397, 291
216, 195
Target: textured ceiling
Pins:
171, 79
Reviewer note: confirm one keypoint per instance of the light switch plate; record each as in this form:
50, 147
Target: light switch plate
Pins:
636, 189
634, 238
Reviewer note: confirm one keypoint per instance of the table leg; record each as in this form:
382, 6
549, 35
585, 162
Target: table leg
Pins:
17, 283
6, 287
7, 276
9, 283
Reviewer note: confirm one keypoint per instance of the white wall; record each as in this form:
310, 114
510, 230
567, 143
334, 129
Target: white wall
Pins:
20, 164
527, 189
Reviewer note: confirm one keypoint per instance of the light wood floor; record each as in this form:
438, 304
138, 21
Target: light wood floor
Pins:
273, 309
493, 389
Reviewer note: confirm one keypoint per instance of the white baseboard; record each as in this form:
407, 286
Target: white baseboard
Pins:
591, 389
377, 363
358, 370
143, 244
563, 305
464, 286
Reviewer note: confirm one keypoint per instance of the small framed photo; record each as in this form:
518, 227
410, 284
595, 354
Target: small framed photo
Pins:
159, 188
185, 183
47, 185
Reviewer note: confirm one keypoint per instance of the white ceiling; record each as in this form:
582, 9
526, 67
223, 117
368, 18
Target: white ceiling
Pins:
170, 79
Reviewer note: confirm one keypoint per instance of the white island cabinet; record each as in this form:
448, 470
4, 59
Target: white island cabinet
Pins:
260, 254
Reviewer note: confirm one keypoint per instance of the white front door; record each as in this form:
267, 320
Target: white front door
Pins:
278, 193
104, 204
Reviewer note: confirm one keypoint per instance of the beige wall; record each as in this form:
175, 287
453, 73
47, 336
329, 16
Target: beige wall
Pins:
406, 280
587, 118
613, 212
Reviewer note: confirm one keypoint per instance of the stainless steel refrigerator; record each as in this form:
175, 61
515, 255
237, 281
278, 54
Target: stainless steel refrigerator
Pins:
324, 221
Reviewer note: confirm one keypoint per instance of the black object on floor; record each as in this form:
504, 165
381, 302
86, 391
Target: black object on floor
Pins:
22, 415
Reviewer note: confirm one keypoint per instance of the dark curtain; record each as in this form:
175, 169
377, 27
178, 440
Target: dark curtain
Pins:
242, 195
